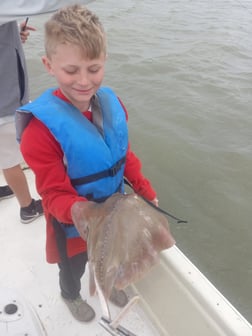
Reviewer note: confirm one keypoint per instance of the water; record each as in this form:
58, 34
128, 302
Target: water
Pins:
184, 71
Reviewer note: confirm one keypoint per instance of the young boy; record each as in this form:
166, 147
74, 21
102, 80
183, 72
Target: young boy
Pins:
76, 142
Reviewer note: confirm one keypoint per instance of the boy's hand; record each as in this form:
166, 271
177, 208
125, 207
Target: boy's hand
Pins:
155, 202
84, 214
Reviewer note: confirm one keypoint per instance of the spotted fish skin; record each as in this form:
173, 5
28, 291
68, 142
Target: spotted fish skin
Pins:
125, 238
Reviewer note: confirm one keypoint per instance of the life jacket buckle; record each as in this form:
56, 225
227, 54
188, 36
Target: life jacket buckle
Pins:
113, 171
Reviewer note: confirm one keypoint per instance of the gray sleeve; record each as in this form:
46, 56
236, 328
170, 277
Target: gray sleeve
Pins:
18, 10
13, 71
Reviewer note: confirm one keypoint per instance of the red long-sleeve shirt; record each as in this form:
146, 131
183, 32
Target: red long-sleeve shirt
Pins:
44, 156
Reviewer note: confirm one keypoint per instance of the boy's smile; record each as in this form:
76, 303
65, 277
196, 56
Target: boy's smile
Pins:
78, 77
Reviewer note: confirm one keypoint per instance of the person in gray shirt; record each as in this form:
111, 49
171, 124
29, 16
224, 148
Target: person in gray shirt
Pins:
13, 93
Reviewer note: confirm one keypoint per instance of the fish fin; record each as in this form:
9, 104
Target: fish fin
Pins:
103, 300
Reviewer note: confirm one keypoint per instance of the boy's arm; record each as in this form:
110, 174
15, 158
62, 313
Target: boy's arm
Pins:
140, 183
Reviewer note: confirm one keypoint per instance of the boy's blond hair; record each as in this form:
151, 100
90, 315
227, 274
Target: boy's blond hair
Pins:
75, 25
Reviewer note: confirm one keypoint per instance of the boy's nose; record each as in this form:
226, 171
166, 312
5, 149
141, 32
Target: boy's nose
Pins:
83, 79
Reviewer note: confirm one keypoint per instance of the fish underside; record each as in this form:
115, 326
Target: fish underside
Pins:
125, 237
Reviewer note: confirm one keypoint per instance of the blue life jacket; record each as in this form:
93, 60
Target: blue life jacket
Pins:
94, 153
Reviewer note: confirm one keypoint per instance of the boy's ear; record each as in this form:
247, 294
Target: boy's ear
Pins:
47, 63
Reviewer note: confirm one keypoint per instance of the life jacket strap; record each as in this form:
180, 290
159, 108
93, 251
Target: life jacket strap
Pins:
91, 197
112, 171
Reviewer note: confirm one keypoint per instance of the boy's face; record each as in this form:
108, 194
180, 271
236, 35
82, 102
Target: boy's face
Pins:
78, 78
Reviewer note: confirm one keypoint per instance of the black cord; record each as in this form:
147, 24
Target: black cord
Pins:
156, 207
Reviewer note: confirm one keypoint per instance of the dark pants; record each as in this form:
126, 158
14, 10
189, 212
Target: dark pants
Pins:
70, 269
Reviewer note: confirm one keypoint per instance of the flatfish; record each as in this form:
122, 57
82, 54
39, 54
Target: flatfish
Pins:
124, 237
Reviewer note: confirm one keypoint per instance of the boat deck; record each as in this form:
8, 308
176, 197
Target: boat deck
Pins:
175, 295
27, 280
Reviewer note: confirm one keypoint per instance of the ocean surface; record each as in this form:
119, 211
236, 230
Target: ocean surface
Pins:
183, 68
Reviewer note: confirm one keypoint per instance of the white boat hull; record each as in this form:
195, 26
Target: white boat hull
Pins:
182, 301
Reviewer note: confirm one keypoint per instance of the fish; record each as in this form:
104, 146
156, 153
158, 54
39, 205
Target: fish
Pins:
125, 236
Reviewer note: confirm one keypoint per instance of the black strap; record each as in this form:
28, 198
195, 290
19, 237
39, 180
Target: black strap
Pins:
112, 171
155, 207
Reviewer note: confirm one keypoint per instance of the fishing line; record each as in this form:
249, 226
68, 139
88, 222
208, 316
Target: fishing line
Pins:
156, 207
